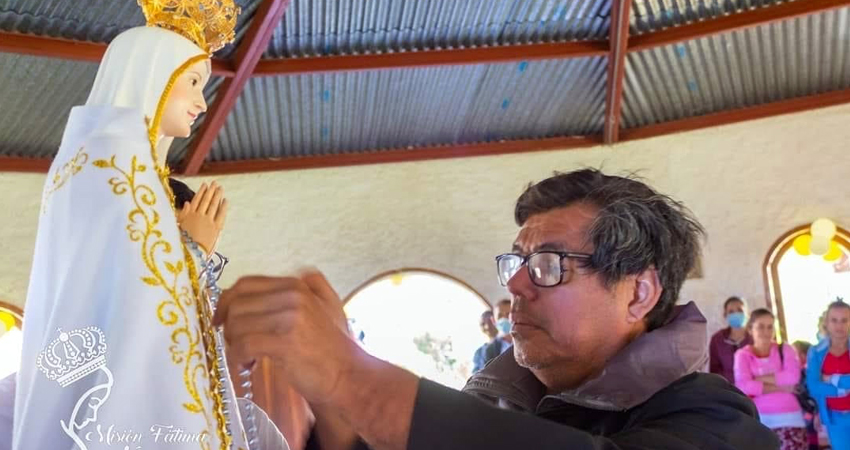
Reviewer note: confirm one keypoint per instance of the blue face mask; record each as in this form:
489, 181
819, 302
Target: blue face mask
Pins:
736, 320
504, 326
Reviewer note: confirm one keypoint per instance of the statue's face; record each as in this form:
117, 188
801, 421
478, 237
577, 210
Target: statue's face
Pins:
186, 101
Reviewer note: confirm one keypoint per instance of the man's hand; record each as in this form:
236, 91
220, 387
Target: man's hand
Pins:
298, 322
203, 217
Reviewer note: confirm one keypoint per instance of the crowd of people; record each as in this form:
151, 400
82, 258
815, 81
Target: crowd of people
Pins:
800, 390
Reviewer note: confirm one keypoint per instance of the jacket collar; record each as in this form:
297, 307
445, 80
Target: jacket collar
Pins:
645, 366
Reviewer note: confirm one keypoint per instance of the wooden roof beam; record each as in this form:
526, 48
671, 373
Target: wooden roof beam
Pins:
732, 22
426, 58
18, 164
717, 119
619, 42
26, 44
399, 155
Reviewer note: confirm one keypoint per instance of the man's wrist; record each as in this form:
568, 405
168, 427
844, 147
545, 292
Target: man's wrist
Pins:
368, 391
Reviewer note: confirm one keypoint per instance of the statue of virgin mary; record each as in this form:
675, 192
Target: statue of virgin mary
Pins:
118, 350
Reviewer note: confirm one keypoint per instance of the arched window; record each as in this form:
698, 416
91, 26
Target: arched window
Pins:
424, 321
799, 287
11, 318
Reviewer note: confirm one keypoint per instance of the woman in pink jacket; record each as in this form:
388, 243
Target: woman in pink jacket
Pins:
769, 374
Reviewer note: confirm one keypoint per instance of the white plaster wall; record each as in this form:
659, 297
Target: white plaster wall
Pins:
748, 183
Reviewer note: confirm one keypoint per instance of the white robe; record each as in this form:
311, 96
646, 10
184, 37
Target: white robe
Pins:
116, 351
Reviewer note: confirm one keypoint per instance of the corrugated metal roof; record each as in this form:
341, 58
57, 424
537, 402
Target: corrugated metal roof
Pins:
36, 96
351, 112
84, 20
798, 57
330, 27
654, 15
418, 107
90, 20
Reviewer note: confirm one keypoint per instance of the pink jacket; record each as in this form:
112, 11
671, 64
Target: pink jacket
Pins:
748, 366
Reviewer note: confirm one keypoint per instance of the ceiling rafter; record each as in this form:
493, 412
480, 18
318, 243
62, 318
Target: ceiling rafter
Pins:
619, 42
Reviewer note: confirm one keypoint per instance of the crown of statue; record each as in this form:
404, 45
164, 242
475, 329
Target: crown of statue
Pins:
211, 24
73, 355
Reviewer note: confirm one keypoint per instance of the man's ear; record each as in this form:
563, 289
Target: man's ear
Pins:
647, 291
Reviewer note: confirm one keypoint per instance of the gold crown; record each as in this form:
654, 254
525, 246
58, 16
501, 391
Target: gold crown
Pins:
210, 24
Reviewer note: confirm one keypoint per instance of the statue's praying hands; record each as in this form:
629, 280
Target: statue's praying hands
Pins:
203, 218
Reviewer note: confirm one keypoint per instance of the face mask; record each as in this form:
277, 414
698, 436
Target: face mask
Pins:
736, 320
504, 326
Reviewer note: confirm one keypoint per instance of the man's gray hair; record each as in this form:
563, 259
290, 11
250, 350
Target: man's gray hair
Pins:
635, 229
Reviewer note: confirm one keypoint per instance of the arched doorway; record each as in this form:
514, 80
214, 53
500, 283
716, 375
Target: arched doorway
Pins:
11, 339
419, 319
800, 287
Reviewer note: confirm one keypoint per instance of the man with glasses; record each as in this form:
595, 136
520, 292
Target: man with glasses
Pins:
602, 356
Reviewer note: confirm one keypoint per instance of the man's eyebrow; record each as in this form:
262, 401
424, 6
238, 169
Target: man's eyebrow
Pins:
554, 246
546, 246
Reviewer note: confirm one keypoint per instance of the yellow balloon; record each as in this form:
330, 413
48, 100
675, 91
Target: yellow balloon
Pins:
397, 279
819, 245
834, 253
802, 244
7, 320
823, 228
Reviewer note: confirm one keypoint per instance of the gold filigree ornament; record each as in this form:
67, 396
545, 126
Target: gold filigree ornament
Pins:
191, 347
211, 24
64, 173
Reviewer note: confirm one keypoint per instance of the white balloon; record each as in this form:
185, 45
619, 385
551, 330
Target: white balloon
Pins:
819, 245
823, 228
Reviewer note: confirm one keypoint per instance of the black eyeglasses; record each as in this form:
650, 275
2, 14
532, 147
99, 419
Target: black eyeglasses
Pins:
219, 262
545, 268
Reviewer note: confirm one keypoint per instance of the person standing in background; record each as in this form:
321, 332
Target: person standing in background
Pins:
488, 327
503, 339
828, 375
729, 340
768, 373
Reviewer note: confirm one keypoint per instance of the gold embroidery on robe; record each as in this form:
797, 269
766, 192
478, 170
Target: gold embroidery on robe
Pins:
63, 174
143, 222
215, 394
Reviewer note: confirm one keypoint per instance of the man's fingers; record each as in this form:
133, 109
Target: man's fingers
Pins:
320, 286
331, 303
253, 292
275, 322
252, 347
